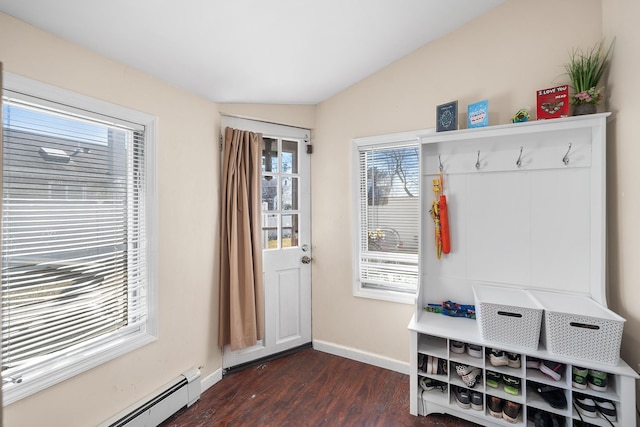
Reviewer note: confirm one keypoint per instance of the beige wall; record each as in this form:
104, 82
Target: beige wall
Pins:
188, 217
623, 192
503, 56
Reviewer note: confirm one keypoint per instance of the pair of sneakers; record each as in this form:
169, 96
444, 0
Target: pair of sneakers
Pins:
505, 409
503, 358
471, 375
581, 378
512, 385
459, 347
467, 398
432, 365
590, 407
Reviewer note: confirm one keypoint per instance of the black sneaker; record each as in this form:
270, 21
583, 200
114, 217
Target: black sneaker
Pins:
554, 396
552, 369
579, 377
493, 379
511, 384
597, 380
476, 401
513, 360
462, 396
498, 357
586, 406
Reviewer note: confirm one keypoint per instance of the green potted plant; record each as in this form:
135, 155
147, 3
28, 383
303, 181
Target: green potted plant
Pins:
585, 69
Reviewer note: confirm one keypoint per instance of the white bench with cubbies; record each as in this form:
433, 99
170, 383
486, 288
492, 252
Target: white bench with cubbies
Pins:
527, 210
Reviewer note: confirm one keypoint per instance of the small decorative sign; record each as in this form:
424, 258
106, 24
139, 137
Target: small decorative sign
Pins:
447, 116
553, 102
478, 114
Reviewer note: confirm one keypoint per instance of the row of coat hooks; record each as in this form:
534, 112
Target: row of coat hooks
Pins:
565, 159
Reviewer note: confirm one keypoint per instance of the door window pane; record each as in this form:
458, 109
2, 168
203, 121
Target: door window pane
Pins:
289, 156
289, 230
270, 231
269, 155
289, 193
270, 193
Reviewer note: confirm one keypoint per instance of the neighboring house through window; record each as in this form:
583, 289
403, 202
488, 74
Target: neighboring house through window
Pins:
78, 255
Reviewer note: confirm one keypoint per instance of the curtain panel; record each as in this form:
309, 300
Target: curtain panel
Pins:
241, 287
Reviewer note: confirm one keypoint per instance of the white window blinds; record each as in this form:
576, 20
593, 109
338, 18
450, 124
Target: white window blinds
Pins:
389, 217
74, 255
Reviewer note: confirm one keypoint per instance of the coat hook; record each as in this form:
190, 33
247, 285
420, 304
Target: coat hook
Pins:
478, 161
440, 163
519, 161
565, 159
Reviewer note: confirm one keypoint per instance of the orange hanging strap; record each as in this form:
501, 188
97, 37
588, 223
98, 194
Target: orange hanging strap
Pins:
444, 224
435, 214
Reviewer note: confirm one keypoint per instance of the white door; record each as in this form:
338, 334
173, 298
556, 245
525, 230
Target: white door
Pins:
286, 240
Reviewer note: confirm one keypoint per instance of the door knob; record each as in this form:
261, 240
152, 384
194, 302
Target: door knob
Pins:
306, 260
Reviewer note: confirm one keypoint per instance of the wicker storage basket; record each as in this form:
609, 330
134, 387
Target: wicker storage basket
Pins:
507, 316
579, 327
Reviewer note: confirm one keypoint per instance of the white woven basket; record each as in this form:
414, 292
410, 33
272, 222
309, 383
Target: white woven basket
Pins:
579, 327
507, 316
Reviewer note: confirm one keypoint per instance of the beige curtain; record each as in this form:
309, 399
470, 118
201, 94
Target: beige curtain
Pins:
241, 289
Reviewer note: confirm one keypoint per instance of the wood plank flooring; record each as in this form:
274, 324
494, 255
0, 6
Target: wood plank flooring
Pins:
308, 388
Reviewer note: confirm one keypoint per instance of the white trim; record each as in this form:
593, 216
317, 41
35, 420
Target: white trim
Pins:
362, 356
97, 352
388, 140
210, 380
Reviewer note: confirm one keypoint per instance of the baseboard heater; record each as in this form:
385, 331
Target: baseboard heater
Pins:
184, 391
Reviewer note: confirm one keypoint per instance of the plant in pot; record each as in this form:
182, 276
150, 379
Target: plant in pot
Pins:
585, 69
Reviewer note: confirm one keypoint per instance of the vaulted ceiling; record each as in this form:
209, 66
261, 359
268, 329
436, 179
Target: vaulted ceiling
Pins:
252, 51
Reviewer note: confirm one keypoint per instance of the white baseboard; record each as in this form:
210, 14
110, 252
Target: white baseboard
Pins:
362, 356
210, 380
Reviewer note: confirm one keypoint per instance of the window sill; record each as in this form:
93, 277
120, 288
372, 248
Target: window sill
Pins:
384, 295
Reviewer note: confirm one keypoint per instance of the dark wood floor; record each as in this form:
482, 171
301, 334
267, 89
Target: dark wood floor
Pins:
308, 388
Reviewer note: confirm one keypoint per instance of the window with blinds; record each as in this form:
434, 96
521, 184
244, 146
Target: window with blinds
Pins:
74, 237
388, 208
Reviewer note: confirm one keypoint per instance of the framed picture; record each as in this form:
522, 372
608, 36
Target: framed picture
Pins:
478, 114
447, 116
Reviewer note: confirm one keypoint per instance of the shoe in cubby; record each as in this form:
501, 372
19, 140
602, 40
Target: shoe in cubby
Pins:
462, 397
497, 357
513, 360
585, 405
493, 379
457, 347
474, 350
540, 418
552, 369
554, 396
471, 375
511, 411
606, 408
579, 377
597, 380
512, 385
494, 406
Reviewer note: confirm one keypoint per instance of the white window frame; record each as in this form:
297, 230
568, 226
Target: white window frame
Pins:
74, 363
380, 141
